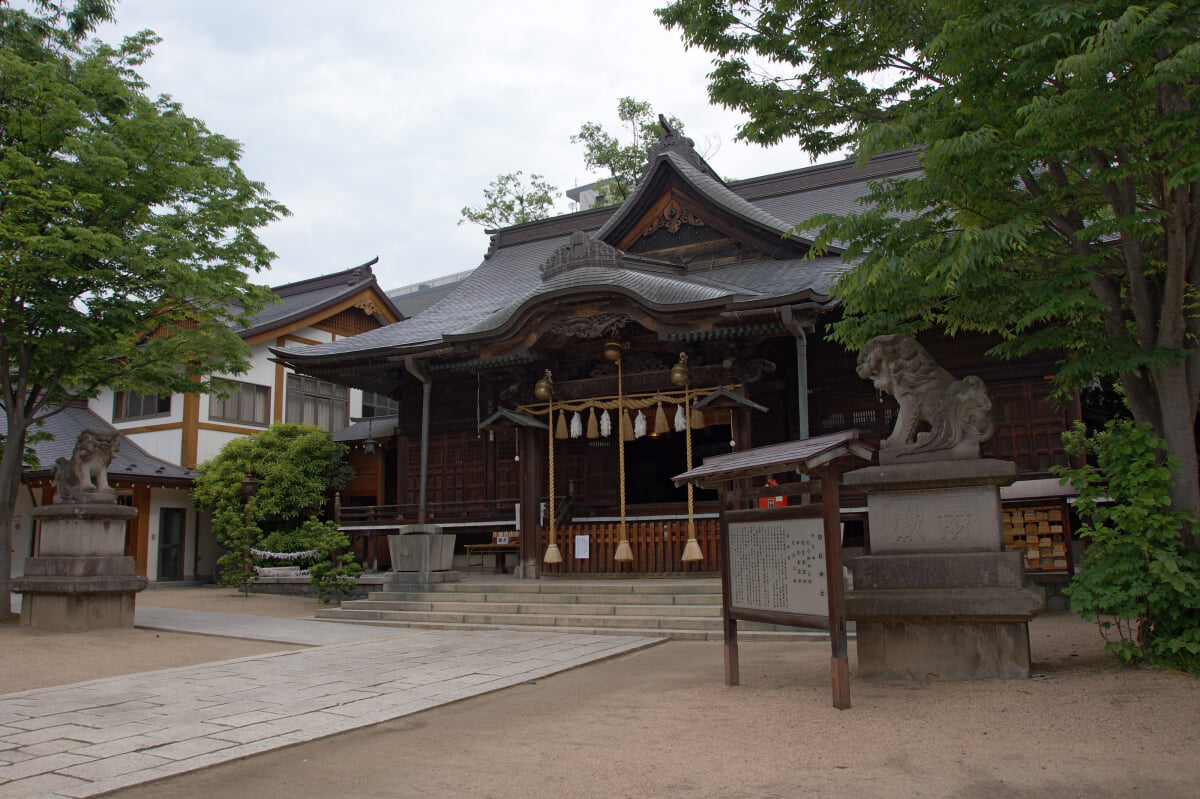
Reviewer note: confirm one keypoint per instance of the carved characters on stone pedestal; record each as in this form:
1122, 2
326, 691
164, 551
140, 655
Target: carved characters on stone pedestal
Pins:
940, 418
84, 478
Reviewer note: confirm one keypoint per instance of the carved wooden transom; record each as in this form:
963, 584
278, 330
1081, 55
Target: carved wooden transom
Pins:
671, 217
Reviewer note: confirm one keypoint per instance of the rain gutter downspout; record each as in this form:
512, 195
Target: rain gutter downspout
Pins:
796, 328
418, 372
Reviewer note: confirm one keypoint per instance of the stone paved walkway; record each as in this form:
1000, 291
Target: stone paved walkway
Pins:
93, 737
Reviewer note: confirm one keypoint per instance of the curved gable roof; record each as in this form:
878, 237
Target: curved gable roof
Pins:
527, 268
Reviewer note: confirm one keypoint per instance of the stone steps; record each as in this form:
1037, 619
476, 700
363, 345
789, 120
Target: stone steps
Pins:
677, 609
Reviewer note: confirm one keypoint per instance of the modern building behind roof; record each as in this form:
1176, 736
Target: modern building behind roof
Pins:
411, 300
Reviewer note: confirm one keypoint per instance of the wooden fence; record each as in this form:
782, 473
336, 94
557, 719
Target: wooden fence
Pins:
657, 548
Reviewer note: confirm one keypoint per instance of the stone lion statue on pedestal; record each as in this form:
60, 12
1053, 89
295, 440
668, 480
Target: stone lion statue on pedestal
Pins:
940, 417
84, 478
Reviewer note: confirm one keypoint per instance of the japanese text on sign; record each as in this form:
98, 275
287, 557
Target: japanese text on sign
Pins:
778, 566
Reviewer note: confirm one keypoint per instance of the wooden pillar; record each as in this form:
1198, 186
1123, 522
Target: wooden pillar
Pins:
141, 501
532, 447
839, 667
728, 623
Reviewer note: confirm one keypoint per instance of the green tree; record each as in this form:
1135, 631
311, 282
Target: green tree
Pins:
1137, 582
624, 163
296, 467
510, 201
126, 231
1059, 202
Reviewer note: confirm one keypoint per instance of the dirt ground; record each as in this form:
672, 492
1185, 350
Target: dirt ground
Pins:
661, 722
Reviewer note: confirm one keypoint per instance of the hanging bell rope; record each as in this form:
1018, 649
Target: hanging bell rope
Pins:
545, 390
624, 552
691, 550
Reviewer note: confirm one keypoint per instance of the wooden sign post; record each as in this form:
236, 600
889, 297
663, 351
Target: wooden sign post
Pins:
784, 565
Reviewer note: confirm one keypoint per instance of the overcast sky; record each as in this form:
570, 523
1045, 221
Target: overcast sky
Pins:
375, 122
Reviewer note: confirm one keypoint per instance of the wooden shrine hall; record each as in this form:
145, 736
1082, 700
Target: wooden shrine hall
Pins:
555, 392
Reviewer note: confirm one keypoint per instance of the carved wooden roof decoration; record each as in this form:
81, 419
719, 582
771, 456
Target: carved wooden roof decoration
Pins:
580, 250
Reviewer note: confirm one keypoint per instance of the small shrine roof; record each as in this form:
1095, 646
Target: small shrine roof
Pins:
306, 297
800, 456
131, 462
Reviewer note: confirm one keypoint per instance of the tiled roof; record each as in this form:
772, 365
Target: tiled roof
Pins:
377, 428
511, 277
130, 463
301, 299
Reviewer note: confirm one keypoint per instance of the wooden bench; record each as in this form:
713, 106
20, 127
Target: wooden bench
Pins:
502, 544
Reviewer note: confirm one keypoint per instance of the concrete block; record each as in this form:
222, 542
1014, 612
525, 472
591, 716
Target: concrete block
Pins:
923, 651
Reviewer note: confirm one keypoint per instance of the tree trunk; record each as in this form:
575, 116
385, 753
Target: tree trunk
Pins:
1177, 414
10, 484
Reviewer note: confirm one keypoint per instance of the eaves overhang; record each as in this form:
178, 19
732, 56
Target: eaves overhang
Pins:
507, 321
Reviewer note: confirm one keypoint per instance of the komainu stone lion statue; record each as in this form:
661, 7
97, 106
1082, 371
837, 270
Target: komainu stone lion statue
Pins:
84, 478
940, 417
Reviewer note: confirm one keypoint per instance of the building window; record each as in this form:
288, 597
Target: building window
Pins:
128, 405
316, 402
246, 404
378, 405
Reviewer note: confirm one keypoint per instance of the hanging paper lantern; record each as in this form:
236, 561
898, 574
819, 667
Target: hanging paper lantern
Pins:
680, 419
605, 424
593, 431
576, 425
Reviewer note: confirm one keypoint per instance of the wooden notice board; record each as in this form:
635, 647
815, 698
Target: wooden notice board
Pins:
783, 565
777, 566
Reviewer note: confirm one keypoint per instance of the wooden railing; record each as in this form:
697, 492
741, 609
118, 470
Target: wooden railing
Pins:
657, 548
481, 510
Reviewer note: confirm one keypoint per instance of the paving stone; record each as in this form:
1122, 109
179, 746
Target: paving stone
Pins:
41, 785
193, 747
123, 731
41, 765
118, 747
107, 767
52, 747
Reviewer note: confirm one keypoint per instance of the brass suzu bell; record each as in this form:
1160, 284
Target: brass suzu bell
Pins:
543, 389
679, 372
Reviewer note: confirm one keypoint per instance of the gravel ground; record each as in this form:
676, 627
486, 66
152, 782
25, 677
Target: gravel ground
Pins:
661, 722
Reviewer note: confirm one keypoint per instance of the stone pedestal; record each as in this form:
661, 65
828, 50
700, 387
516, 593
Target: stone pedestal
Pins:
81, 579
421, 554
937, 598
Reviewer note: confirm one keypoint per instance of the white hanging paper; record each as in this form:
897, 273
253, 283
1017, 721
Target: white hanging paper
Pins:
680, 419
576, 425
639, 425
605, 424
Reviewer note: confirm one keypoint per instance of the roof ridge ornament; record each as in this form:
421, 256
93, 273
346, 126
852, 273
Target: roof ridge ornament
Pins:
581, 250
673, 139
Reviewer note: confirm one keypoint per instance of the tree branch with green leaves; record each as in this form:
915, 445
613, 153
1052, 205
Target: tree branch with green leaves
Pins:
127, 230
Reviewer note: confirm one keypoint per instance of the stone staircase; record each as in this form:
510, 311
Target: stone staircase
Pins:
680, 609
